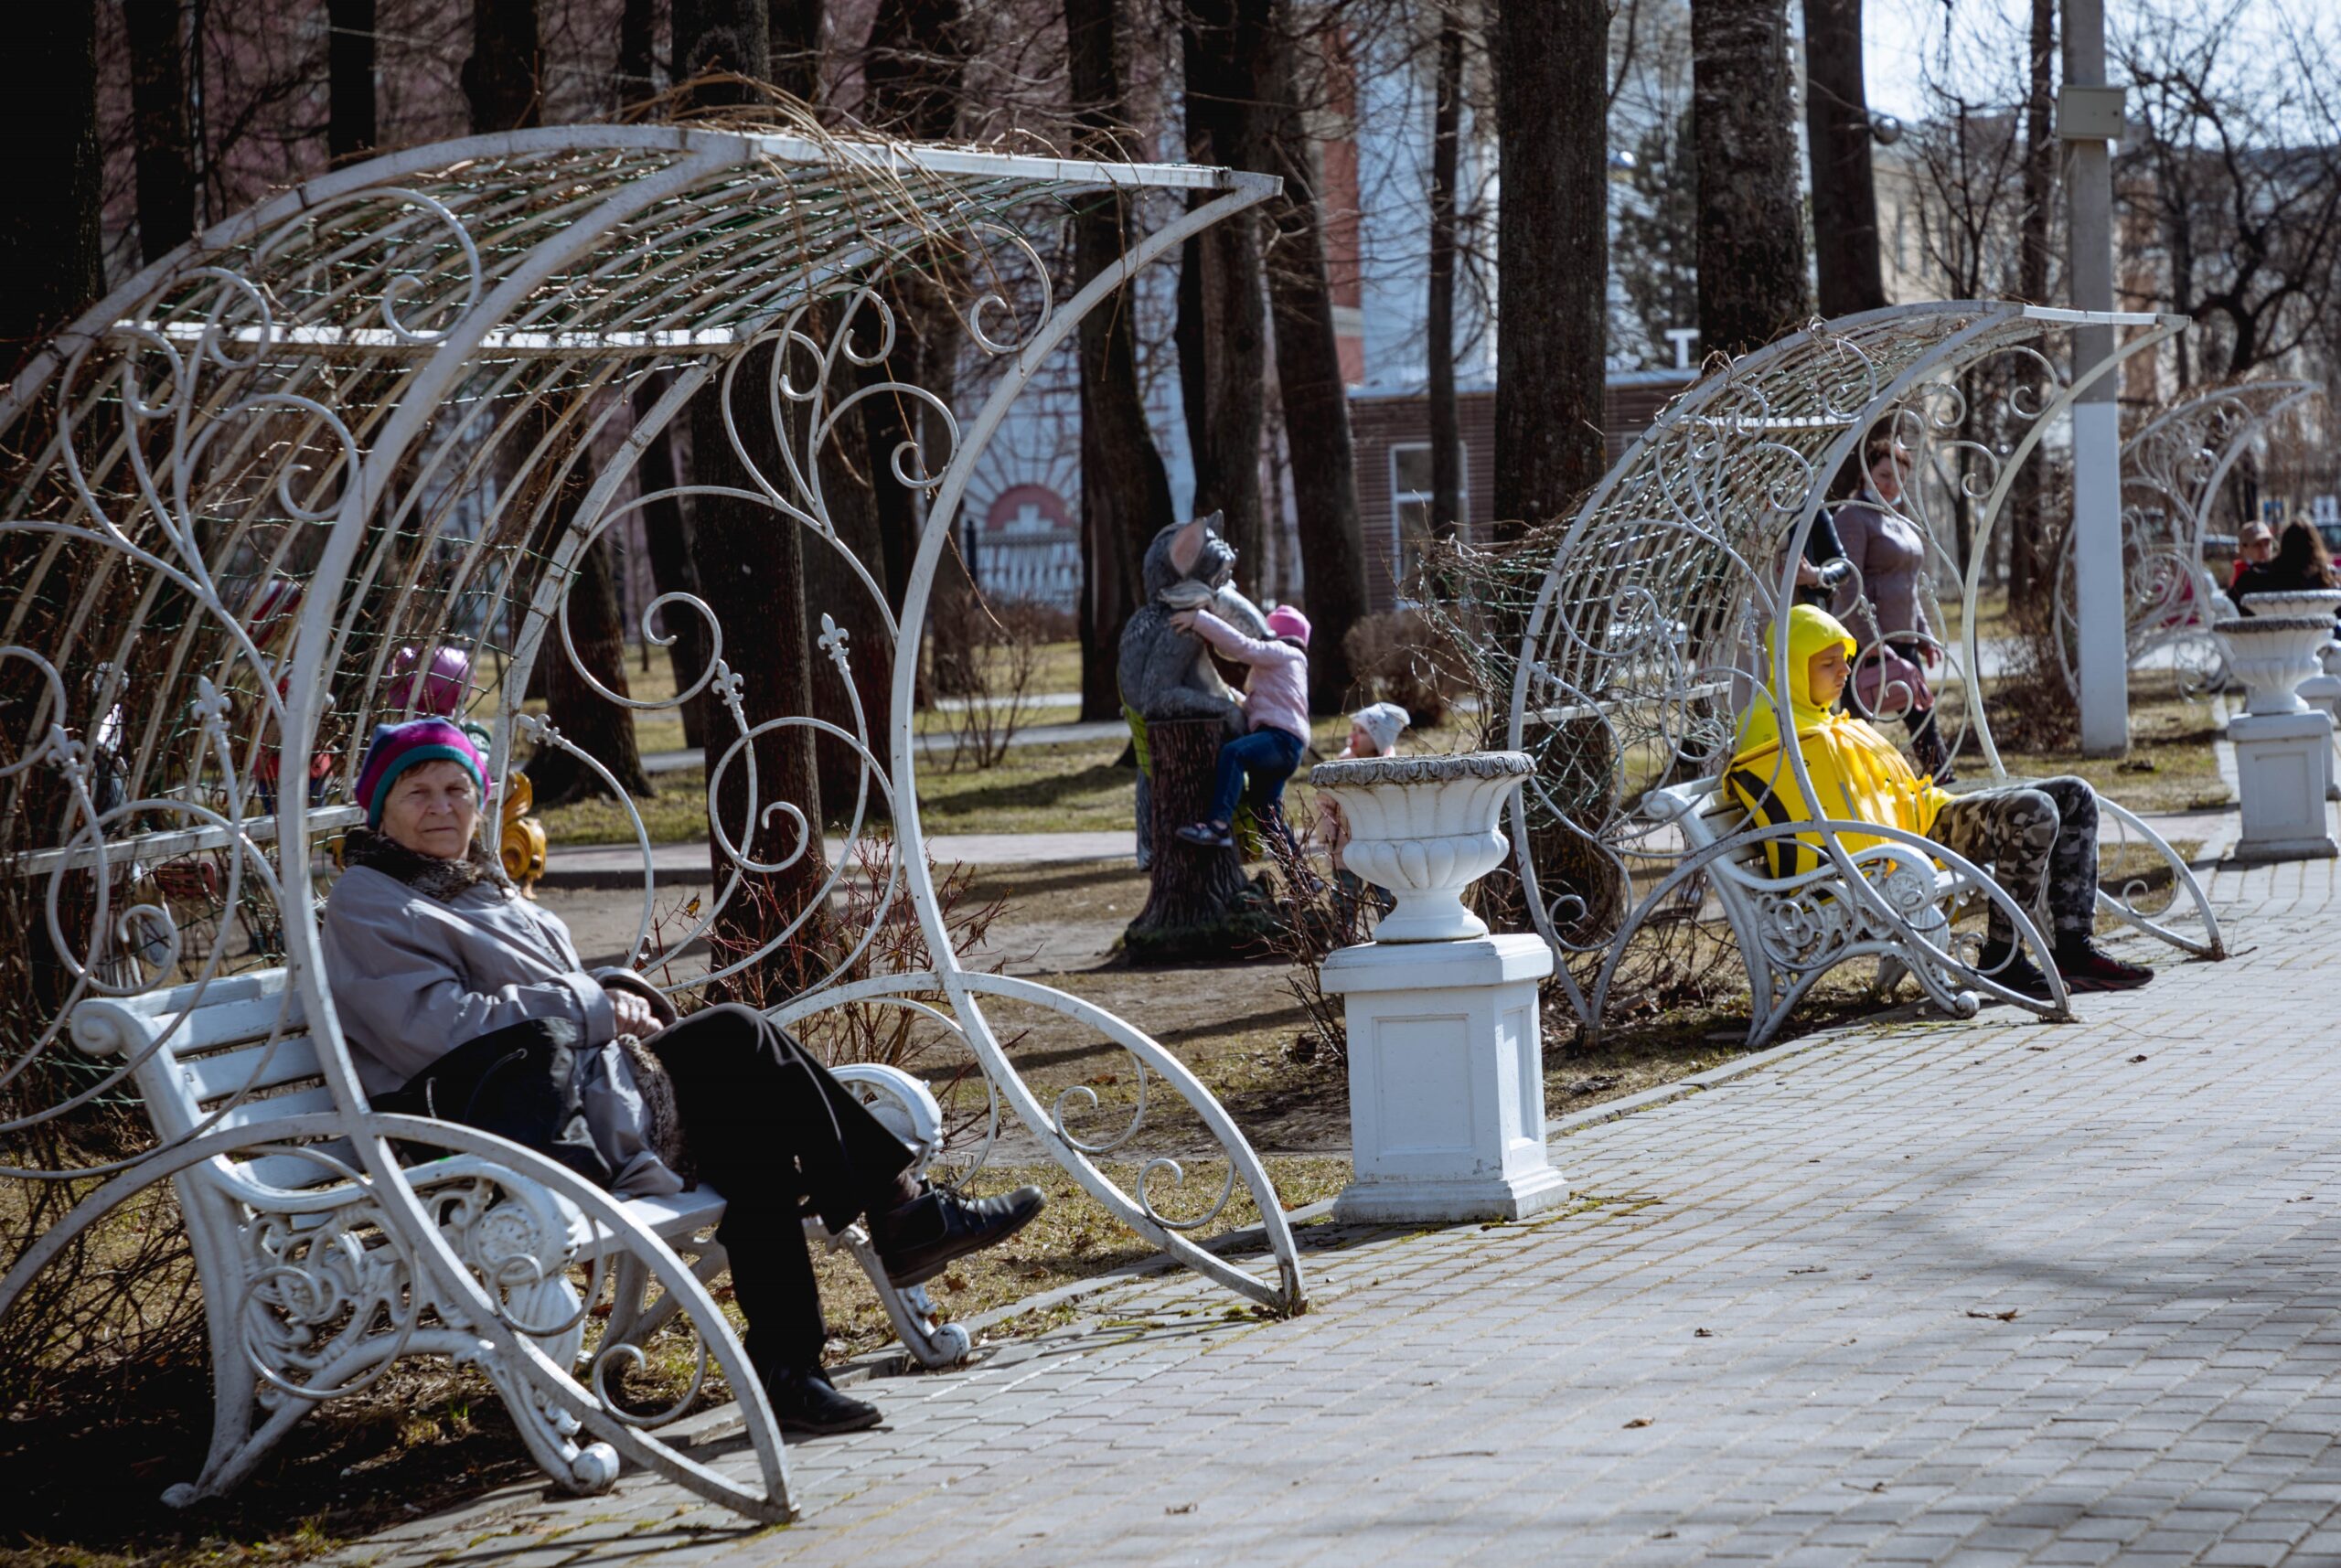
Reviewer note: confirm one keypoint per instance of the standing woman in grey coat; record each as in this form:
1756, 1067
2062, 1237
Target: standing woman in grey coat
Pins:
1883, 608
463, 1001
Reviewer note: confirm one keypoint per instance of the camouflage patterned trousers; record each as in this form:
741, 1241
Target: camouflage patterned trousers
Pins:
2038, 841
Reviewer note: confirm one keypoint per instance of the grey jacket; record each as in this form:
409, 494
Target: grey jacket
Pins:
1891, 553
414, 975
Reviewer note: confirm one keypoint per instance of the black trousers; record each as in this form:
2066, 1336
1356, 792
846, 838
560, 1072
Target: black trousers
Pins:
769, 1126
776, 1134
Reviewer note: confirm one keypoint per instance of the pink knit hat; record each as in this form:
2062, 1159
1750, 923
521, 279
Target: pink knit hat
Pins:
398, 747
1284, 621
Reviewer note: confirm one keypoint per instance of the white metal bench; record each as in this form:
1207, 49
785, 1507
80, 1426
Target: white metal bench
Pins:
296, 1265
1790, 931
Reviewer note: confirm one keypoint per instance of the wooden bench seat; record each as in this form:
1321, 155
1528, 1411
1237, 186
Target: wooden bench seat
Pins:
281, 1227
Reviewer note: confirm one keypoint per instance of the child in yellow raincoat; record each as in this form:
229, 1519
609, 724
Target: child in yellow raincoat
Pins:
2038, 841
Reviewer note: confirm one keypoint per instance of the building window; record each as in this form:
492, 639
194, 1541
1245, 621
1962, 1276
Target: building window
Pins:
1410, 499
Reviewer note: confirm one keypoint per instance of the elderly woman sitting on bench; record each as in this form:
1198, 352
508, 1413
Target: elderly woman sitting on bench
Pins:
463, 1001
2038, 841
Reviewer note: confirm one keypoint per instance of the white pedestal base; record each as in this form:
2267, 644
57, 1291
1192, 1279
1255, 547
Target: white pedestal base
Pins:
2283, 761
2322, 692
1447, 1081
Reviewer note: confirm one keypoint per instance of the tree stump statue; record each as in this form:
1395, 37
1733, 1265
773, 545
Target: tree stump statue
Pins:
1195, 886
1196, 908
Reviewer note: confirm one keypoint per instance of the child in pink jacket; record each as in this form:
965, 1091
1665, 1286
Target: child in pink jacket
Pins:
1276, 708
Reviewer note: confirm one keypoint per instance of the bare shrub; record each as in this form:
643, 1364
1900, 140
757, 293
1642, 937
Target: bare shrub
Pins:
1398, 655
1321, 916
993, 663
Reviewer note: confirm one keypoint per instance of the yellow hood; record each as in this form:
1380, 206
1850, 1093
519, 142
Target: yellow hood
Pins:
1856, 773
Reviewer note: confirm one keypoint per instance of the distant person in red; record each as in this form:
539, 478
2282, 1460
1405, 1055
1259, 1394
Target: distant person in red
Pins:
2257, 545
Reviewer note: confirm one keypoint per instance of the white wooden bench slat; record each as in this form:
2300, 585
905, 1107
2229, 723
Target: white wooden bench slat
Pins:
249, 1067
276, 1107
201, 1048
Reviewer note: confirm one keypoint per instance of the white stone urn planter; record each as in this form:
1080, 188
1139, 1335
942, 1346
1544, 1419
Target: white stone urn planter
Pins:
2283, 746
2271, 654
1425, 828
1445, 1046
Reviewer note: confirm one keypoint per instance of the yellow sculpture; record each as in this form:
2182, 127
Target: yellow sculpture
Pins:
524, 836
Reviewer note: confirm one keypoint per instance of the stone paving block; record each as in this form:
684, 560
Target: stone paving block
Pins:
2168, 1381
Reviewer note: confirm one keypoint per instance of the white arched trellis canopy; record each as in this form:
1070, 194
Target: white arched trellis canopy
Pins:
1645, 641
2175, 470
380, 415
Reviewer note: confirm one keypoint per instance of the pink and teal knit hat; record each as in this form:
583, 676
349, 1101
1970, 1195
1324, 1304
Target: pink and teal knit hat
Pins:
398, 747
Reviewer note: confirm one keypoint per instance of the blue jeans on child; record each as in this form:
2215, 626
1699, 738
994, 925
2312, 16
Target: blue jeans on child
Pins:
1267, 757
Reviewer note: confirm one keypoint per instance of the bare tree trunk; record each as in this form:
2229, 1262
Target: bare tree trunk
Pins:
1552, 256
2026, 568
666, 535
914, 76
635, 77
351, 128
793, 29
51, 261
1222, 326
751, 566
1125, 496
590, 721
504, 76
1751, 225
1448, 506
1845, 191
165, 164
1308, 367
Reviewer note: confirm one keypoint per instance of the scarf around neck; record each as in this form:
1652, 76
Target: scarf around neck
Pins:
427, 874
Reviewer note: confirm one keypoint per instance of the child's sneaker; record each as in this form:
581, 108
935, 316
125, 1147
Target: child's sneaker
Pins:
1209, 834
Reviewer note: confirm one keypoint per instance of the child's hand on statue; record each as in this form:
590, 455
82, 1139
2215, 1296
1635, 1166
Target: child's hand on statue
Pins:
1184, 620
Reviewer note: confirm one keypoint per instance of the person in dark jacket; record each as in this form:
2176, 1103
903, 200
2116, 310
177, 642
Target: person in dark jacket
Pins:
2300, 564
450, 988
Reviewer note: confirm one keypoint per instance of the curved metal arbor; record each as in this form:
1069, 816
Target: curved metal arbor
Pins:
382, 414
1645, 639
2174, 469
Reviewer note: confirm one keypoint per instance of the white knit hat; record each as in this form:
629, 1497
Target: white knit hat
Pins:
1383, 721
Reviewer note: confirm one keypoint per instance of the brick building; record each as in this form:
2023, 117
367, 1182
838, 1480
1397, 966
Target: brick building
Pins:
1392, 428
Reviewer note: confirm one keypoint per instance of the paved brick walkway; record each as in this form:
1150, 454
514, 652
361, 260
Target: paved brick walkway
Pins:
1979, 1293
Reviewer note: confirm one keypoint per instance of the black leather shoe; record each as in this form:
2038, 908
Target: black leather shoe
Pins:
920, 1238
803, 1401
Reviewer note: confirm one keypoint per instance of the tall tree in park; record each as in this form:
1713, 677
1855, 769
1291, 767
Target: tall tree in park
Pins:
1124, 495
1309, 360
504, 75
1752, 223
2025, 523
51, 264
913, 72
1448, 506
1552, 255
1838, 130
1657, 260
503, 79
665, 525
165, 159
352, 127
1222, 323
751, 568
